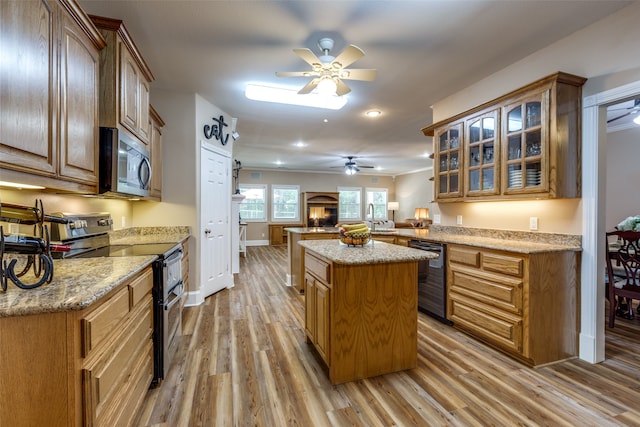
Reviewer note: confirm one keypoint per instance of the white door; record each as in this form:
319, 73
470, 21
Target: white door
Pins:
215, 199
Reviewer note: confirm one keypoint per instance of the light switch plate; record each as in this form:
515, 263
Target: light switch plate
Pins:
533, 223
14, 229
459, 220
436, 219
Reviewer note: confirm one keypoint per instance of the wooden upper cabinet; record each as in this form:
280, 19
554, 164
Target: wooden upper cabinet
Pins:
155, 149
124, 81
449, 159
482, 155
79, 75
523, 145
28, 86
49, 96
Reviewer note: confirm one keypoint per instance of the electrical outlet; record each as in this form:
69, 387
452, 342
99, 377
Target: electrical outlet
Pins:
436, 219
123, 222
262, 235
459, 220
533, 223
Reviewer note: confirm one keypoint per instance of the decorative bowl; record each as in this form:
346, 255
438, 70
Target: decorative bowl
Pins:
356, 239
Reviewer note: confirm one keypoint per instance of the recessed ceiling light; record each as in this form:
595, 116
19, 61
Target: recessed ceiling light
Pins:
373, 113
326, 120
282, 95
278, 162
300, 144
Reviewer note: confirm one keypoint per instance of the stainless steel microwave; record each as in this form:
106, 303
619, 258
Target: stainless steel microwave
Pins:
124, 167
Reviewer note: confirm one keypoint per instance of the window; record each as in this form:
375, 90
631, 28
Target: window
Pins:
377, 196
254, 207
349, 204
285, 203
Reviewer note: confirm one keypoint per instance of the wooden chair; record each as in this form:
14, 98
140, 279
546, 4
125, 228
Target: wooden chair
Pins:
623, 272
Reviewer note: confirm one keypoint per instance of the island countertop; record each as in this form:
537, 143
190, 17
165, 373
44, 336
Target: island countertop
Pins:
372, 253
514, 241
77, 283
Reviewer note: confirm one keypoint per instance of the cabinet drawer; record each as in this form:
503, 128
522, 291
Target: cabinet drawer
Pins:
318, 267
498, 291
104, 377
140, 287
484, 322
98, 324
505, 264
466, 256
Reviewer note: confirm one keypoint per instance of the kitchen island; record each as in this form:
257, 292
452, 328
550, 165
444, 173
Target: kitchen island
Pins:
361, 306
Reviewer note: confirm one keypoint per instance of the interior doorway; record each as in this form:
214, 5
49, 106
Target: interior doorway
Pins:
594, 172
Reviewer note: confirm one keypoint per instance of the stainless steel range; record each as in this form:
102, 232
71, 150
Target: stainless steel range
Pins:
87, 237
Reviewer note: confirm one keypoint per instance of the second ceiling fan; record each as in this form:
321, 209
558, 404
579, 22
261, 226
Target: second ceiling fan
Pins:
351, 167
329, 70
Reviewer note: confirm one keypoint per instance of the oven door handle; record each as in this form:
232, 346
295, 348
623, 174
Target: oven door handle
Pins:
178, 297
175, 254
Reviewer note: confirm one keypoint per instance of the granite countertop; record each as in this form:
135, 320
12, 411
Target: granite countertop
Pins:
513, 241
371, 253
143, 235
77, 283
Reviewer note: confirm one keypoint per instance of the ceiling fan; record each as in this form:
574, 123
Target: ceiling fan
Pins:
630, 107
351, 167
328, 72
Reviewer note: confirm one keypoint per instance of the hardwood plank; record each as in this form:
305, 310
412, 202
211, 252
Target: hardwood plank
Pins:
243, 360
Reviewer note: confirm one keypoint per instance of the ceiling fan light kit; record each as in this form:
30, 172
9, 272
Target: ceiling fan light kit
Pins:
326, 68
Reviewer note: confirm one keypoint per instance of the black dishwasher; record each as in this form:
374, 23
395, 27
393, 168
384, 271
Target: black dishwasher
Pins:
432, 281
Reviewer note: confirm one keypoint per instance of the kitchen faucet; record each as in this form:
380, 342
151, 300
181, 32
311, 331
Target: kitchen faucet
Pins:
373, 223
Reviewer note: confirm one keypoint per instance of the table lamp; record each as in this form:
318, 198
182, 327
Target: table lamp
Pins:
421, 214
393, 207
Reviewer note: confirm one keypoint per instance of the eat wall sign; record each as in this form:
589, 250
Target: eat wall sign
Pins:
216, 130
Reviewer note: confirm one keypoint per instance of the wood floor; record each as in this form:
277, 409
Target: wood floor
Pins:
243, 361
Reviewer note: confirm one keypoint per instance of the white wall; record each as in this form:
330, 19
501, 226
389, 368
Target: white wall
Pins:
185, 115
604, 52
414, 191
622, 187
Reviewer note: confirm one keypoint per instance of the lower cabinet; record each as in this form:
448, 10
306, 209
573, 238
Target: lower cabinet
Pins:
523, 304
318, 291
84, 368
383, 238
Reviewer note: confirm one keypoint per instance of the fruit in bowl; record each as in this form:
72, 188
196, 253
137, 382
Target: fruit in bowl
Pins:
354, 234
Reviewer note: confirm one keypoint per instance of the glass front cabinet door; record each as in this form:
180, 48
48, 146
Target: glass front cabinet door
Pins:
448, 161
526, 145
482, 154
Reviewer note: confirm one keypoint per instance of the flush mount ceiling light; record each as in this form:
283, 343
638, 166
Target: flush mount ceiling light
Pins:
373, 113
282, 95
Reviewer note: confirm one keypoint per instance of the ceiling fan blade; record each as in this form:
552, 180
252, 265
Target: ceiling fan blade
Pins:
308, 56
309, 87
341, 87
348, 56
368, 167
295, 73
619, 117
362, 74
